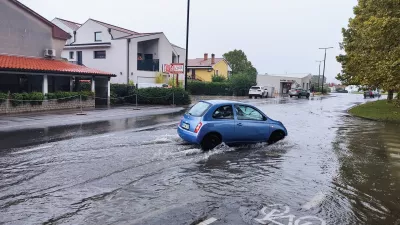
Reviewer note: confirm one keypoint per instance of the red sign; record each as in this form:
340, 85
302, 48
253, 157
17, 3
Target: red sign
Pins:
174, 68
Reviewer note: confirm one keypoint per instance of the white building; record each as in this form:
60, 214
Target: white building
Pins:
132, 56
283, 83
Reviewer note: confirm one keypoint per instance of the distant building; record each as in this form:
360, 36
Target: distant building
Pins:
283, 83
131, 55
204, 68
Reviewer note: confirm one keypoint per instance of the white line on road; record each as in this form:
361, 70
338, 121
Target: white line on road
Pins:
208, 221
32, 149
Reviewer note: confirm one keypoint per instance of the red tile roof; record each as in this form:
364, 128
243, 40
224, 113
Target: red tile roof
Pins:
200, 62
28, 64
70, 24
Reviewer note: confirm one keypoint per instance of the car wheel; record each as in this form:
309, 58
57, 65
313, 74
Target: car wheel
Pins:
210, 141
261, 96
250, 96
308, 96
255, 96
290, 96
276, 136
299, 96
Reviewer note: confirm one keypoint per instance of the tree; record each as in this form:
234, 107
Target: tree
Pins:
241, 83
372, 46
239, 63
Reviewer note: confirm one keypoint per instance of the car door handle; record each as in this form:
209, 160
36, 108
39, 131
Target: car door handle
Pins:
240, 124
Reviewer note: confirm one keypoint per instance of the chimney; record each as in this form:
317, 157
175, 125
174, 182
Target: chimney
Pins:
205, 56
213, 58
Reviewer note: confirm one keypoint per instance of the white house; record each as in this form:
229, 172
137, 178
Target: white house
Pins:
132, 56
283, 83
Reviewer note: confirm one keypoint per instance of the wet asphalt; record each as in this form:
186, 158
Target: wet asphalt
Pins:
331, 169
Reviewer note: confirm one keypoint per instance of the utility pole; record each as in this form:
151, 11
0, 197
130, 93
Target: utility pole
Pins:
319, 71
187, 42
323, 74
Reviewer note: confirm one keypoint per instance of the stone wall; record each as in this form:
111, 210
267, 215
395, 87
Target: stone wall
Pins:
45, 106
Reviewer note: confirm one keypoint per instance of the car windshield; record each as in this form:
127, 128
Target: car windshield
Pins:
255, 88
199, 109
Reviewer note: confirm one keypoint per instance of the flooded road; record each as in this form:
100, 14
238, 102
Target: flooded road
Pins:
331, 169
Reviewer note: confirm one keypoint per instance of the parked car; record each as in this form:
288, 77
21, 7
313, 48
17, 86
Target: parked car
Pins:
299, 92
209, 123
372, 94
258, 91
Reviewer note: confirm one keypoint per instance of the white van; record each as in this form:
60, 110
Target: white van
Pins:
258, 91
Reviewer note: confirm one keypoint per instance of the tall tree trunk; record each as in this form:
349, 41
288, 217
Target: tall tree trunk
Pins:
390, 95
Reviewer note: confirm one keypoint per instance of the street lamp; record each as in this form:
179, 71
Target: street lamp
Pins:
323, 74
319, 71
187, 42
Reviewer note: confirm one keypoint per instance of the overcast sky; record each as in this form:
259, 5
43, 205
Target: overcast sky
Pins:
278, 36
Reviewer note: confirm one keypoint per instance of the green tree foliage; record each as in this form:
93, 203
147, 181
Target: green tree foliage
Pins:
239, 63
218, 78
241, 83
372, 46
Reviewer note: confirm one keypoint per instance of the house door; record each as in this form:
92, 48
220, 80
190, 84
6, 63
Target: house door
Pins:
193, 74
79, 57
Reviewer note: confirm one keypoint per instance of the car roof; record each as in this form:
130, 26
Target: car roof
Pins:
219, 102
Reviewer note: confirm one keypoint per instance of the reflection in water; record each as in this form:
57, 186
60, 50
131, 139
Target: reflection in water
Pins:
22, 138
369, 173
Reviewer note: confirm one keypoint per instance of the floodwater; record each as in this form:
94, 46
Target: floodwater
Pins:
331, 169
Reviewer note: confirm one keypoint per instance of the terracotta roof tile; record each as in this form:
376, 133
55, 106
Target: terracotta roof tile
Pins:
202, 62
19, 63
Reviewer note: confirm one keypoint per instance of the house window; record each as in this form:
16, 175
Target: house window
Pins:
71, 55
99, 54
97, 36
216, 72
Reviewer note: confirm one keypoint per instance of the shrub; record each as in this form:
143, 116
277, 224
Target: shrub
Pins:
63, 96
240, 84
163, 96
159, 78
3, 97
21, 98
123, 93
218, 78
209, 88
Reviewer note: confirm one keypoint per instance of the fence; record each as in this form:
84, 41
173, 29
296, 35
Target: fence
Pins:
10, 106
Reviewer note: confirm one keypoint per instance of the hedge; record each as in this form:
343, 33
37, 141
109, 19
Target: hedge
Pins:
63, 96
209, 88
20, 98
122, 94
3, 97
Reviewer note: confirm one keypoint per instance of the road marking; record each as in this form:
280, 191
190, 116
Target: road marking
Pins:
32, 149
208, 221
315, 201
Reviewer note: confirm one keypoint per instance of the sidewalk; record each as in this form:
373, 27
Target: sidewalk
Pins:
70, 117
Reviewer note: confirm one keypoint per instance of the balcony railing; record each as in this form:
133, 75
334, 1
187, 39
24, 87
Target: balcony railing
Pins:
148, 65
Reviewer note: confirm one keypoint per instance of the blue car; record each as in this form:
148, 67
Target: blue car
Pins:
209, 123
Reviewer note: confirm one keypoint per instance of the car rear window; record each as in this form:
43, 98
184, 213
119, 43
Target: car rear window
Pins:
255, 88
199, 109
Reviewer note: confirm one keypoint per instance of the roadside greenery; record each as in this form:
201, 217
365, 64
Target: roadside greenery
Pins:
372, 45
239, 64
126, 94
238, 84
377, 110
34, 98
218, 78
3, 96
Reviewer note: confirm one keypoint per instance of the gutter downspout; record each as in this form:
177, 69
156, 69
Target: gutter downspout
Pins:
127, 59
109, 31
